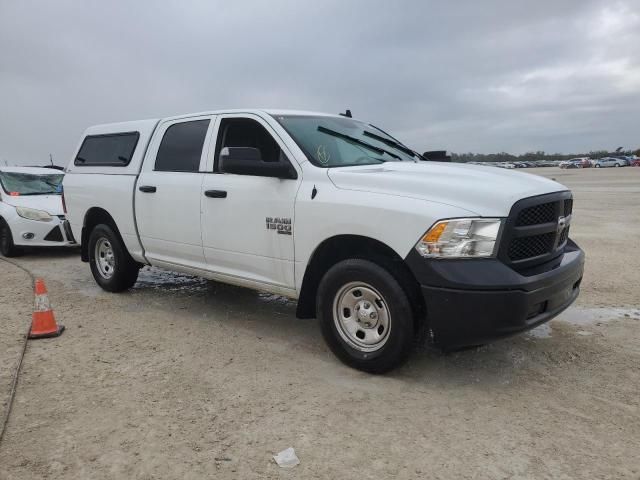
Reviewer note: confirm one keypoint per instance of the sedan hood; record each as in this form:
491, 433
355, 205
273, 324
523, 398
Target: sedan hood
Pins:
52, 204
483, 191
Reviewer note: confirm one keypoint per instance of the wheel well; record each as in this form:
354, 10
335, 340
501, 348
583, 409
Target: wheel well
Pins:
94, 216
341, 247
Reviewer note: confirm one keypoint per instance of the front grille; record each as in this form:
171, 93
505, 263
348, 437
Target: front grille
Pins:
527, 247
537, 214
564, 236
55, 235
568, 206
534, 233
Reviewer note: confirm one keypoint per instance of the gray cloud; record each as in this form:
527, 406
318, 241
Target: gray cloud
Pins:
483, 76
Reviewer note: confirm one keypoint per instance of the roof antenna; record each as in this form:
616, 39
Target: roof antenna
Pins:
347, 113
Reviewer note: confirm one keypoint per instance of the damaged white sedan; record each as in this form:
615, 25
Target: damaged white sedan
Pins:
31, 210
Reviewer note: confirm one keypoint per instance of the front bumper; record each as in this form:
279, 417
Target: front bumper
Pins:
472, 302
32, 233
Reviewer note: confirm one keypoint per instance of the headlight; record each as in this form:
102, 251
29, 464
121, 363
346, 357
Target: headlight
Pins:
461, 238
33, 214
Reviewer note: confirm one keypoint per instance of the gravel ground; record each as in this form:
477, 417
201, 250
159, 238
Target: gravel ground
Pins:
187, 378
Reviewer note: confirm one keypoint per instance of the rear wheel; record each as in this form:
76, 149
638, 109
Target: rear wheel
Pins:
365, 316
597, 165
7, 247
617, 165
111, 265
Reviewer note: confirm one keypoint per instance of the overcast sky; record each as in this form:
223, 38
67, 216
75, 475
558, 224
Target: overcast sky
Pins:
482, 76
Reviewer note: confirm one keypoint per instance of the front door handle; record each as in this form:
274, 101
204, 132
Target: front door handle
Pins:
215, 193
147, 188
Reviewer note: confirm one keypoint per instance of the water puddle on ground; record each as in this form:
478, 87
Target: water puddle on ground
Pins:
157, 278
275, 299
166, 280
543, 331
585, 317
590, 316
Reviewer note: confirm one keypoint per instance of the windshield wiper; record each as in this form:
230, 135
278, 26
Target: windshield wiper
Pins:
357, 141
390, 142
393, 142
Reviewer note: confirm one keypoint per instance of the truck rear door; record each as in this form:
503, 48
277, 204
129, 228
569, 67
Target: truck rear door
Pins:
167, 197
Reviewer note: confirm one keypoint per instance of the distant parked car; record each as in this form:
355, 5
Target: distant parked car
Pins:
626, 161
580, 162
609, 162
586, 162
636, 162
573, 163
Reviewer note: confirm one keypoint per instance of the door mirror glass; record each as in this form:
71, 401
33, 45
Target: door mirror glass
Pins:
246, 154
261, 169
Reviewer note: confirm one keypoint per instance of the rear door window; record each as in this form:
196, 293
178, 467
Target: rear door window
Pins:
113, 150
181, 147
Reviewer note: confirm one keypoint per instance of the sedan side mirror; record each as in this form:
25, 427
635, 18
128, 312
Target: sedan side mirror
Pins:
248, 161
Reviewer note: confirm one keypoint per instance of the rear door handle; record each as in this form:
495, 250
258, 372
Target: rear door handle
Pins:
215, 193
147, 188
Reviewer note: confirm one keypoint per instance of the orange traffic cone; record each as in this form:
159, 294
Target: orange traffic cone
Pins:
43, 324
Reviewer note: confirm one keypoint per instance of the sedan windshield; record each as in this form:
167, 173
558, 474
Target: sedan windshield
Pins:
15, 183
342, 142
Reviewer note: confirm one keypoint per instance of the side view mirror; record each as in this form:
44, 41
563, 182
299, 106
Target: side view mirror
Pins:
248, 161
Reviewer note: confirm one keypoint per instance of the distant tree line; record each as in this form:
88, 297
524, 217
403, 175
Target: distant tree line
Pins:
533, 156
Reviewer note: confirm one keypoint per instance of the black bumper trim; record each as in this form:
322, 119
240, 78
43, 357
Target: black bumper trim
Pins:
471, 302
67, 231
55, 235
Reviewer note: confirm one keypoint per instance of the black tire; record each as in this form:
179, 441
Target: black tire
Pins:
401, 332
7, 247
597, 166
616, 165
123, 274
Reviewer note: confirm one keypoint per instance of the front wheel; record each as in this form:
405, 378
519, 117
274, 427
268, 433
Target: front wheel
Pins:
7, 247
365, 316
597, 166
111, 265
617, 165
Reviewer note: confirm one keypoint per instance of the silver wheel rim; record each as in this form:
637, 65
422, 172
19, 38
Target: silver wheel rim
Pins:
105, 261
361, 316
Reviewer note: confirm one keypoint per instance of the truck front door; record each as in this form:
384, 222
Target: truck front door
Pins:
247, 220
167, 197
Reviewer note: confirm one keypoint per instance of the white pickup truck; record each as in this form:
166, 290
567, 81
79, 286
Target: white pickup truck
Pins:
379, 244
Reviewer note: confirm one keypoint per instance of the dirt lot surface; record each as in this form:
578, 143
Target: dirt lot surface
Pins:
187, 378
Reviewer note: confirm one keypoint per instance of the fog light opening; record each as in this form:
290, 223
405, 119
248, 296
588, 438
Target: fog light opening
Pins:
28, 236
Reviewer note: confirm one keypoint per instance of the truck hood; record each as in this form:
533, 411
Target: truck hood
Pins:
52, 204
483, 191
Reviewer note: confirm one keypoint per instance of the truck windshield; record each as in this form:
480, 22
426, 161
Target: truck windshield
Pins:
342, 142
15, 183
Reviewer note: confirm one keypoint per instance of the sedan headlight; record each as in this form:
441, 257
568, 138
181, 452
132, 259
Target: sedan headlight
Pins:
461, 238
33, 214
